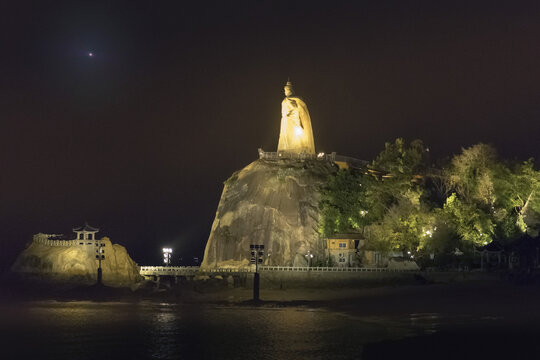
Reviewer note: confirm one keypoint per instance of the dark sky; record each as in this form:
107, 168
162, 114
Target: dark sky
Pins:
139, 138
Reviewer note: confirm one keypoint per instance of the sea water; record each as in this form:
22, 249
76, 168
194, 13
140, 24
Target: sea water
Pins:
149, 330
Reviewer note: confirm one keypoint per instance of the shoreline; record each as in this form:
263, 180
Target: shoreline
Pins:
495, 297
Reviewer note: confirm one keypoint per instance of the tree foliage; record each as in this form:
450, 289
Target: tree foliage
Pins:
470, 223
401, 203
470, 174
398, 158
343, 203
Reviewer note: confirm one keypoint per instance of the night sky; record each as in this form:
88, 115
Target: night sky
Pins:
138, 138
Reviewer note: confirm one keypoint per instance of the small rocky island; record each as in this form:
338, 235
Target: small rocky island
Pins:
54, 258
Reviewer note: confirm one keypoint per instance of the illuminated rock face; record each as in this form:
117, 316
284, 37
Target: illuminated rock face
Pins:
296, 134
274, 203
75, 263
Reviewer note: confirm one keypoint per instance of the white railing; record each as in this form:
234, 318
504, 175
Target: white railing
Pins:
49, 240
177, 270
46, 241
330, 269
164, 270
274, 155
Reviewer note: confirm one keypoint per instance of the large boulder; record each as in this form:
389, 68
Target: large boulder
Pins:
274, 203
77, 264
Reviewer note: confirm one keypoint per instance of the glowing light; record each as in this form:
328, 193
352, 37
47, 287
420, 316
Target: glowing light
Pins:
90, 54
296, 134
429, 232
167, 252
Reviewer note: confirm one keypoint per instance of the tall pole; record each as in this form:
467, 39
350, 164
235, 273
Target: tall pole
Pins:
256, 282
99, 273
257, 252
100, 257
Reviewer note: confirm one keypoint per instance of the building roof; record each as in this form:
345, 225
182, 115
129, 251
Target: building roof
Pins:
492, 246
524, 243
352, 162
85, 227
350, 236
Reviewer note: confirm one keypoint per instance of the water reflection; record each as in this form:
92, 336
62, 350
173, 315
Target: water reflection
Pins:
86, 330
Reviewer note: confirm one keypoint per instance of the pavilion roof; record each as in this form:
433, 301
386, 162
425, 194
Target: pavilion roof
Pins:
86, 227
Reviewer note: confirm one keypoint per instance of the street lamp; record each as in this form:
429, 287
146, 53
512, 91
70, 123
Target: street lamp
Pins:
309, 256
100, 256
167, 254
257, 253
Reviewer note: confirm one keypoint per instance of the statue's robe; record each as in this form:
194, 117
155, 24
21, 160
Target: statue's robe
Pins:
296, 135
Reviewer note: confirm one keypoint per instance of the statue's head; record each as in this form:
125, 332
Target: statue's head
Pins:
288, 88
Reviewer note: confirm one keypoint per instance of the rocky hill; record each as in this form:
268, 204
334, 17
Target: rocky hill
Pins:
75, 264
269, 202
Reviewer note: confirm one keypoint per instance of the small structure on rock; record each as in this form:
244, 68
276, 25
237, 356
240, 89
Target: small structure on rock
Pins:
56, 257
85, 232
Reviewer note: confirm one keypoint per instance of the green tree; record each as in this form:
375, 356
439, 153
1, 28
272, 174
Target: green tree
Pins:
409, 226
470, 223
517, 191
470, 174
343, 206
399, 171
399, 203
494, 191
398, 158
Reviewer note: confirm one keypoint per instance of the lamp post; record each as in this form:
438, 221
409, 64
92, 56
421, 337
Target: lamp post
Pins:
100, 255
167, 254
257, 253
309, 256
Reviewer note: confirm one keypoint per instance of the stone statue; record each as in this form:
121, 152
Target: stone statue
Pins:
296, 135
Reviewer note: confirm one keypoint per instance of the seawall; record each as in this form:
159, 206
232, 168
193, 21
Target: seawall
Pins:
314, 279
